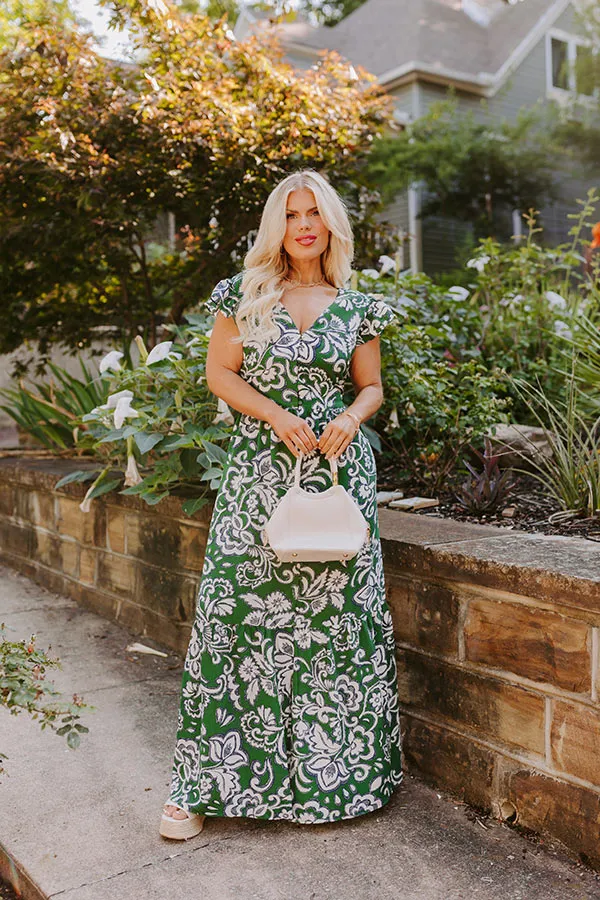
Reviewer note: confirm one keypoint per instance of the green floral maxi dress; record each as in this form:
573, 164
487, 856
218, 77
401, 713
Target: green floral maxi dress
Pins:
289, 703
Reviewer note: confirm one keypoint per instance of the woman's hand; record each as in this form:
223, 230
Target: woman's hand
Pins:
337, 434
297, 434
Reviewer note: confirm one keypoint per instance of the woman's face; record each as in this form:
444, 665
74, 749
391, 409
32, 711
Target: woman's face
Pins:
306, 236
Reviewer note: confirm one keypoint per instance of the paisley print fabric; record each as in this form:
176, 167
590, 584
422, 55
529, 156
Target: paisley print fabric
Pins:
289, 701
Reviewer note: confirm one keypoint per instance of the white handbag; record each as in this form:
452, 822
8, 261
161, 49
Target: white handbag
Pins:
316, 526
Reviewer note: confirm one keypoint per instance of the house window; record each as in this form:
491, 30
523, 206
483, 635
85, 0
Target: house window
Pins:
569, 62
560, 64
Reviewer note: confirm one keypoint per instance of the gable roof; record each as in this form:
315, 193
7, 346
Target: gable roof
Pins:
394, 39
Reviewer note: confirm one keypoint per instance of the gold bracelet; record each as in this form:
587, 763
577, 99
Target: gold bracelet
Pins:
355, 417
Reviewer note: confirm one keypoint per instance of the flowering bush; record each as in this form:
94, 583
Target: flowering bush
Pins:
159, 418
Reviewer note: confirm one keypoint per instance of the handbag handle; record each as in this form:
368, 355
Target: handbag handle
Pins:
332, 465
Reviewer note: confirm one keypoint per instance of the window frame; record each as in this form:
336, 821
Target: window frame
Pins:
573, 41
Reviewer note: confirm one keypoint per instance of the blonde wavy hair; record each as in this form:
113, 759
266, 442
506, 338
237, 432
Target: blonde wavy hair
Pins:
267, 263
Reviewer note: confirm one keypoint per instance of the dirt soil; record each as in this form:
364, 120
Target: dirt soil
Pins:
527, 508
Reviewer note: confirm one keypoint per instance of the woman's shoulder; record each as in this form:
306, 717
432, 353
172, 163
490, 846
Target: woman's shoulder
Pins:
225, 295
375, 314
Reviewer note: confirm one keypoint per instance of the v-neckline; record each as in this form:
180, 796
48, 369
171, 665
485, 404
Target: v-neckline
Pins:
319, 317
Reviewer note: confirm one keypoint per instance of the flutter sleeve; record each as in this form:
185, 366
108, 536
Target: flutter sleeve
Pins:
224, 298
377, 316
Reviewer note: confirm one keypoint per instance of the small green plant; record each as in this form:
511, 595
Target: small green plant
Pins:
487, 489
50, 411
571, 474
23, 688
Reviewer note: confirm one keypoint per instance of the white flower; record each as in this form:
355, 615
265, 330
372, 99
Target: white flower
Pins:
393, 421
387, 265
162, 351
132, 475
478, 263
85, 504
113, 399
458, 293
110, 361
562, 329
160, 8
555, 300
224, 414
124, 410
370, 273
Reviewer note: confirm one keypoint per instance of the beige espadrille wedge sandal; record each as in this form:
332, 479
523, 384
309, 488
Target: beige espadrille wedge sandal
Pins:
181, 829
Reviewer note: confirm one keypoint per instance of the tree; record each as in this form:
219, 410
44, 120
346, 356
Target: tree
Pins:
91, 152
470, 170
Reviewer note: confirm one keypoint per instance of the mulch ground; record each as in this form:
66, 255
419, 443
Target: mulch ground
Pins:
527, 508
6, 892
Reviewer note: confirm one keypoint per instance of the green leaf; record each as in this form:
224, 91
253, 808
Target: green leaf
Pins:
73, 740
79, 476
191, 506
104, 487
215, 453
153, 499
146, 441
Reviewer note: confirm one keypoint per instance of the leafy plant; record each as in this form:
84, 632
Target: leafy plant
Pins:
487, 489
572, 473
23, 688
473, 170
435, 407
95, 155
50, 410
159, 416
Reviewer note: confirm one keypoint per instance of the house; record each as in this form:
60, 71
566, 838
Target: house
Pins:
510, 54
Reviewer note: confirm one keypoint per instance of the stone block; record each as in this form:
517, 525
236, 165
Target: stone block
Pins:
74, 523
115, 574
449, 760
96, 600
23, 505
69, 552
192, 547
553, 807
398, 596
115, 529
16, 539
167, 632
8, 501
132, 527
534, 643
42, 509
487, 706
158, 542
87, 565
47, 549
425, 615
575, 740
168, 593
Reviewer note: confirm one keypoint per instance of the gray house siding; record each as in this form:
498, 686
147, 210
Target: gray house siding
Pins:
526, 86
397, 212
569, 21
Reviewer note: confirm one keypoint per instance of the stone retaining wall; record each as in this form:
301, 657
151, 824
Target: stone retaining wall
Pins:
497, 634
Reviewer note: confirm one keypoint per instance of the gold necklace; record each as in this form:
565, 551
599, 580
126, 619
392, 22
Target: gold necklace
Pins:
304, 283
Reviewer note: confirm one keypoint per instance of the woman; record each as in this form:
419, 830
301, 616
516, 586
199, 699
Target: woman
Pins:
289, 703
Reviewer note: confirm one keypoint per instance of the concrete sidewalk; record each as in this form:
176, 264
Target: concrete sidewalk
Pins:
83, 825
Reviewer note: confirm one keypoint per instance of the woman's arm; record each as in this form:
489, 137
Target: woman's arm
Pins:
223, 363
365, 372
